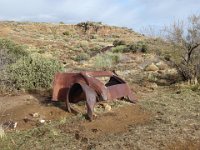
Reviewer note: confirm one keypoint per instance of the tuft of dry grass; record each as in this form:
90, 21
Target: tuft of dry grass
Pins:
2, 132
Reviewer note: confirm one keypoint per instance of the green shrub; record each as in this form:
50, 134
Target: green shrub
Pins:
106, 60
33, 72
10, 52
119, 42
142, 46
121, 46
81, 57
138, 46
119, 49
66, 33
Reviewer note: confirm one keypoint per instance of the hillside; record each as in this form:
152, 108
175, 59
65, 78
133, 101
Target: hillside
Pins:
66, 41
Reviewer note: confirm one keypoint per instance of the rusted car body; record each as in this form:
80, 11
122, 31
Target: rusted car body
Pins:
75, 87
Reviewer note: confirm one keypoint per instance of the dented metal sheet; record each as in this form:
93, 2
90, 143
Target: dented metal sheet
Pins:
75, 87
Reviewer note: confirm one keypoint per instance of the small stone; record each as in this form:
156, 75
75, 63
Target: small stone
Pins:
151, 67
153, 86
107, 107
35, 115
161, 65
42, 121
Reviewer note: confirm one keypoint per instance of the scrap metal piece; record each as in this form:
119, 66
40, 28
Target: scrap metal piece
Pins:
75, 87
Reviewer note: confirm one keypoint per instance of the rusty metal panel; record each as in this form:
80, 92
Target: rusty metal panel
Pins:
118, 91
73, 87
61, 84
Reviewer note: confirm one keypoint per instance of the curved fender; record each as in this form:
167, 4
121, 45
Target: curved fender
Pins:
91, 99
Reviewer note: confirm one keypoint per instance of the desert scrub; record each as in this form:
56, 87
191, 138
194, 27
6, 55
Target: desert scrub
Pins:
81, 57
121, 47
33, 72
10, 52
139, 46
119, 42
107, 60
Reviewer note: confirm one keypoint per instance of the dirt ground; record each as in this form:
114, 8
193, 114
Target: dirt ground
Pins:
21, 109
164, 118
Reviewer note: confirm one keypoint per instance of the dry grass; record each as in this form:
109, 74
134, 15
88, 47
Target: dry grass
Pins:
2, 132
185, 145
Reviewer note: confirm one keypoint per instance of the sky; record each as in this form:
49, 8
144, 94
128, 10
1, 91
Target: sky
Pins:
135, 14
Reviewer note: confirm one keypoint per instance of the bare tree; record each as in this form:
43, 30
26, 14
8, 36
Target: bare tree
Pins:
151, 31
186, 38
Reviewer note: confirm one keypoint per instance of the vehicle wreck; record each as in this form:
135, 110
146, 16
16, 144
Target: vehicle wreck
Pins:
75, 87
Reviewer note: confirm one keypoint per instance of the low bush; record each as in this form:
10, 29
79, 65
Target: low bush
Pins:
10, 53
81, 57
22, 70
138, 46
119, 49
32, 72
66, 33
120, 46
107, 60
119, 42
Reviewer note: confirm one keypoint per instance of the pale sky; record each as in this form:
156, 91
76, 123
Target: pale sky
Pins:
128, 13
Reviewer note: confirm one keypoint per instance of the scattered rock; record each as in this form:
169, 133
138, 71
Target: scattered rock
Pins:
161, 65
42, 121
102, 107
151, 67
107, 107
153, 86
35, 115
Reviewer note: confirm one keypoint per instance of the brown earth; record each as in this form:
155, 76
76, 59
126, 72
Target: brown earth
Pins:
20, 109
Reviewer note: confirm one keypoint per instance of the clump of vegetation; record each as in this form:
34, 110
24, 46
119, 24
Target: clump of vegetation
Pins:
107, 60
81, 57
119, 49
22, 70
2, 132
119, 42
186, 52
85, 26
32, 72
139, 46
67, 33
10, 52
134, 47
